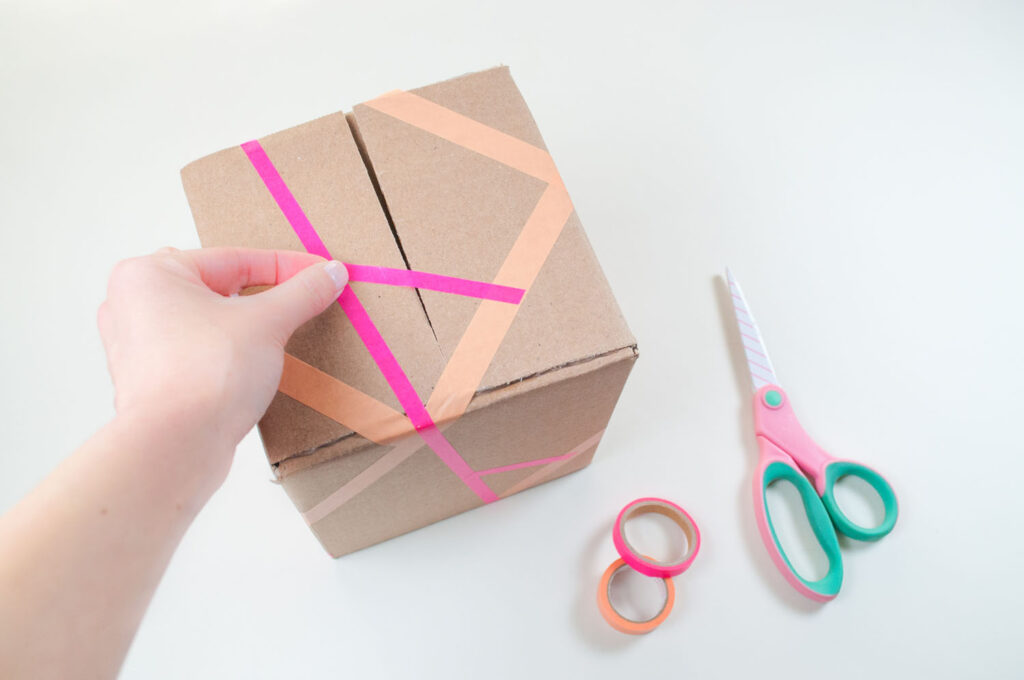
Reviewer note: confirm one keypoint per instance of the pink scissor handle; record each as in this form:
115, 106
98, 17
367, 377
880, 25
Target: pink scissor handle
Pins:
775, 420
775, 465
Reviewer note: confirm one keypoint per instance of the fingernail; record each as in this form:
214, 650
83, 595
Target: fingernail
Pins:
338, 274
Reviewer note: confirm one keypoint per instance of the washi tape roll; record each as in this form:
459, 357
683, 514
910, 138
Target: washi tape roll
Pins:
620, 622
645, 565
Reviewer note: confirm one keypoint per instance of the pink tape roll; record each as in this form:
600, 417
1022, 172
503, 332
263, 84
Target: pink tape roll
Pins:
638, 560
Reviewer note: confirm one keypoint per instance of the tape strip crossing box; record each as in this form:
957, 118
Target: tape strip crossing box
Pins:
483, 397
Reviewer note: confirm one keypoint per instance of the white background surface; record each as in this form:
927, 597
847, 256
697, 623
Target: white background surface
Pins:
860, 166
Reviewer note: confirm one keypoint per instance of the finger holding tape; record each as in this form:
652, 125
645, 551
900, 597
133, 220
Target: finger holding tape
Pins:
620, 622
646, 565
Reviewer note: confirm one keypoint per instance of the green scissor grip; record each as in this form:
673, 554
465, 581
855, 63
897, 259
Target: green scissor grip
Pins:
827, 586
842, 468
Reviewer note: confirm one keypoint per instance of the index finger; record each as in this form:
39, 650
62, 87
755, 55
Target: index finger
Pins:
229, 270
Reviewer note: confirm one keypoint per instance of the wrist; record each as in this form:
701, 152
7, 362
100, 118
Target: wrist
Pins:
186, 462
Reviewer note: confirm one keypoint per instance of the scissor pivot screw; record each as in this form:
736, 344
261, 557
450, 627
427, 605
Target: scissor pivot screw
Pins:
773, 398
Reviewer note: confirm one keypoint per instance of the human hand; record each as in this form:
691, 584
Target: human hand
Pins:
193, 370
192, 362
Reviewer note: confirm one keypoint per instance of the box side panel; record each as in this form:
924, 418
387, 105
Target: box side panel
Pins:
323, 169
559, 423
458, 212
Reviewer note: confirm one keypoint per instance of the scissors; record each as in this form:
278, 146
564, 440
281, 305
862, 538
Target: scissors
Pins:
787, 453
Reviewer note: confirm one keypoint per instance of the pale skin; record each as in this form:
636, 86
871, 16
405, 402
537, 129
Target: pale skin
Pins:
193, 368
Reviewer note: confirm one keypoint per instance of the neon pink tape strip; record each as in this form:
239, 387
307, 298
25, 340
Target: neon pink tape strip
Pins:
438, 282
526, 464
368, 333
311, 241
285, 200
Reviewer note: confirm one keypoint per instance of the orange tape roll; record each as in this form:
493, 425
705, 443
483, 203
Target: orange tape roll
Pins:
620, 622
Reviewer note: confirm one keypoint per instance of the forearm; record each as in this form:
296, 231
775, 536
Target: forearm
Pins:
81, 556
194, 367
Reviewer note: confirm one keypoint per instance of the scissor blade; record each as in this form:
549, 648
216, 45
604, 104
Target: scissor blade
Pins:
760, 366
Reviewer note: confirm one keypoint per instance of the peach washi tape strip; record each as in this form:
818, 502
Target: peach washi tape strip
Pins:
341, 402
383, 465
487, 328
476, 349
399, 453
551, 469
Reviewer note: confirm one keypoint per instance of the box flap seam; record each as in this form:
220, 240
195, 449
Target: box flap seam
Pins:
486, 390
368, 164
564, 364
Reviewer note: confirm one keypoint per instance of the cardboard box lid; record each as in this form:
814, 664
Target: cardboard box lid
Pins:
453, 212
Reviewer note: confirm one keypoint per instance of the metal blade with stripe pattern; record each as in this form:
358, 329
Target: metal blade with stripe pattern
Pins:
761, 371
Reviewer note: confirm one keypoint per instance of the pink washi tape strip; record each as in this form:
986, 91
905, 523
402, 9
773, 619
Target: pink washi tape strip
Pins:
366, 329
439, 282
643, 564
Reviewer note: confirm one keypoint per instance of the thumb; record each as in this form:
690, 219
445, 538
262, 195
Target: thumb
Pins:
295, 301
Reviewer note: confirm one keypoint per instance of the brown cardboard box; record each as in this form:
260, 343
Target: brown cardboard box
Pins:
452, 179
